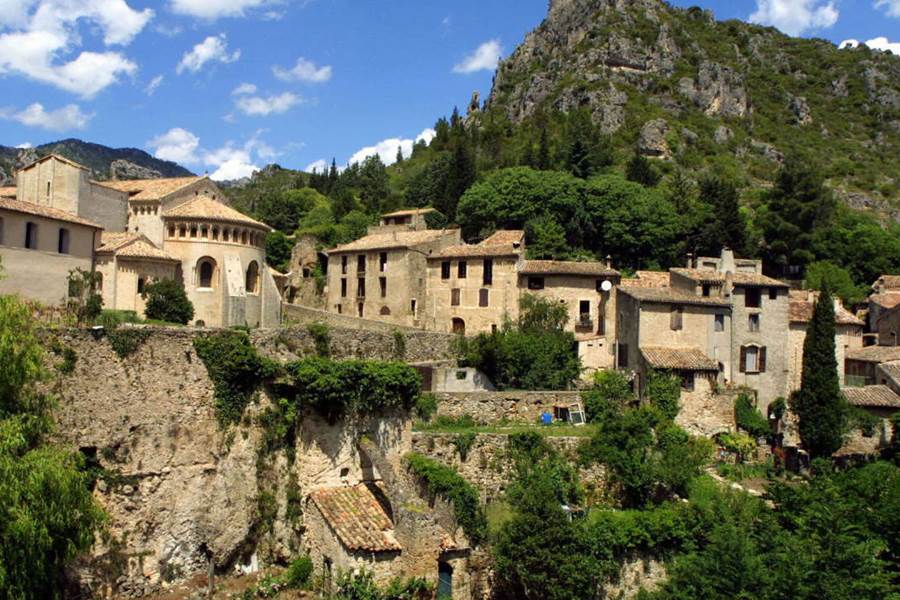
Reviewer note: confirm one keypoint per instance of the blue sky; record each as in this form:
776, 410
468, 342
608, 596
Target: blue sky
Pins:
226, 86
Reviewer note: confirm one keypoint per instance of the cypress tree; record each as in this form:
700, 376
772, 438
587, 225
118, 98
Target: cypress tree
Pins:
543, 158
579, 160
399, 155
819, 404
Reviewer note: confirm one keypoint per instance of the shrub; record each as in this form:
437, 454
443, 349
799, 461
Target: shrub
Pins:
362, 586
778, 407
608, 396
749, 418
353, 387
321, 336
83, 300
235, 368
426, 406
299, 572
69, 357
110, 318
463, 443
126, 342
443, 481
399, 344
664, 392
740, 444
167, 301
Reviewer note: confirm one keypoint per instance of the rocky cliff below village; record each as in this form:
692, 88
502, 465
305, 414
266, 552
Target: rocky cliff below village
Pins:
679, 85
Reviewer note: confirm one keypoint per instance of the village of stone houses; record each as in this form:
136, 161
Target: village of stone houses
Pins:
627, 329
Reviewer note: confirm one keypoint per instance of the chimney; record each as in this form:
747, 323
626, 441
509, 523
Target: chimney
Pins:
729, 284
609, 261
690, 260
727, 260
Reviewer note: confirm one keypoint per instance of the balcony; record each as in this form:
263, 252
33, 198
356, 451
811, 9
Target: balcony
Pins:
584, 322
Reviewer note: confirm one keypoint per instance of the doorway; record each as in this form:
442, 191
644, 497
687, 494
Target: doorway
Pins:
458, 326
445, 581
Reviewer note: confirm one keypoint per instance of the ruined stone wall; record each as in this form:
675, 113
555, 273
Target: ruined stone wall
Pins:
486, 466
495, 407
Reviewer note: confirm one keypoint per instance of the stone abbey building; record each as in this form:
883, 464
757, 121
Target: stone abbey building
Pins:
131, 233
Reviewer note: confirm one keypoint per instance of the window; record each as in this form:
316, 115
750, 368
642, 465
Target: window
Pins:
343, 265
773, 293
483, 298
487, 272
584, 309
687, 381
445, 269
340, 309
194, 231
343, 287
48, 189
676, 318
458, 326
622, 356
140, 285
454, 297
461, 269
205, 271
382, 262
535, 283
244, 237
361, 287
412, 306
31, 233
62, 244
753, 359
385, 311
251, 281
382, 283
706, 290
361, 263
719, 323
171, 231
753, 322
204, 232
752, 297
360, 308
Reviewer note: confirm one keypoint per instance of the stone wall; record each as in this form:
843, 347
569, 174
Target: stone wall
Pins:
495, 407
295, 314
486, 466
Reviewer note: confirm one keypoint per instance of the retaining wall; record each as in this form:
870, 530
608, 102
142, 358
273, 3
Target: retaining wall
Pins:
494, 407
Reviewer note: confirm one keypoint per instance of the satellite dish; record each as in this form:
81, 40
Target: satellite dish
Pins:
606, 285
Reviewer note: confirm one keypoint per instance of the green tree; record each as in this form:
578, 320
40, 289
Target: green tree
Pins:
640, 170
47, 511
278, 250
819, 404
608, 397
546, 238
578, 159
166, 300
373, 185
822, 274
664, 392
728, 228
543, 156
84, 302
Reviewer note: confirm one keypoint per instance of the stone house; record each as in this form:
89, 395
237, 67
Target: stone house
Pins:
881, 402
39, 245
305, 279
382, 276
848, 333
884, 297
861, 364
472, 288
888, 373
152, 229
887, 327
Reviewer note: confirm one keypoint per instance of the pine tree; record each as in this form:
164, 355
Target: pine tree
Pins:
729, 228
543, 157
641, 171
399, 155
819, 404
528, 156
579, 159
332, 175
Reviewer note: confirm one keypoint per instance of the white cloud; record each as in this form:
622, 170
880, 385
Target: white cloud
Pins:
62, 119
25, 145
177, 144
879, 43
244, 88
37, 33
485, 58
214, 9
304, 70
264, 106
387, 149
795, 17
892, 7
213, 48
319, 166
153, 85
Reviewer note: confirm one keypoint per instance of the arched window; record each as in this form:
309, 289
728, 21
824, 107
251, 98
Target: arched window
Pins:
251, 283
244, 237
140, 285
62, 245
206, 270
458, 326
385, 311
226, 235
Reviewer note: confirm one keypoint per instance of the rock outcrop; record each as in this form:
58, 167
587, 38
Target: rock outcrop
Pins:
123, 169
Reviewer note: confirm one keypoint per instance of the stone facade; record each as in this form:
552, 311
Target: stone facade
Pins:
302, 285
488, 408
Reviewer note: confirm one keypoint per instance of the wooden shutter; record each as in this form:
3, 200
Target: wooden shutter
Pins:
743, 365
762, 359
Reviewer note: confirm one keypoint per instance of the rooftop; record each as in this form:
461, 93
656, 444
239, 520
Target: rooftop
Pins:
708, 276
886, 300
203, 207
506, 242
669, 296
874, 354
567, 267
150, 189
504, 236
131, 245
357, 518
408, 212
394, 239
63, 159
8, 192
48, 212
801, 309
872, 396
647, 279
887, 282
679, 359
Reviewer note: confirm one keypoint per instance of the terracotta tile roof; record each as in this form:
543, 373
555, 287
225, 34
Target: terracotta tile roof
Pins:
202, 207
886, 300
708, 276
647, 279
669, 296
151, 189
682, 359
48, 212
356, 517
8, 192
408, 213
387, 241
131, 245
891, 370
566, 267
506, 242
874, 354
872, 396
802, 303
887, 282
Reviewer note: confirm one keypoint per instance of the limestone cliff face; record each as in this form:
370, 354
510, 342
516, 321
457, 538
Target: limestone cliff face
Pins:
179, 490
